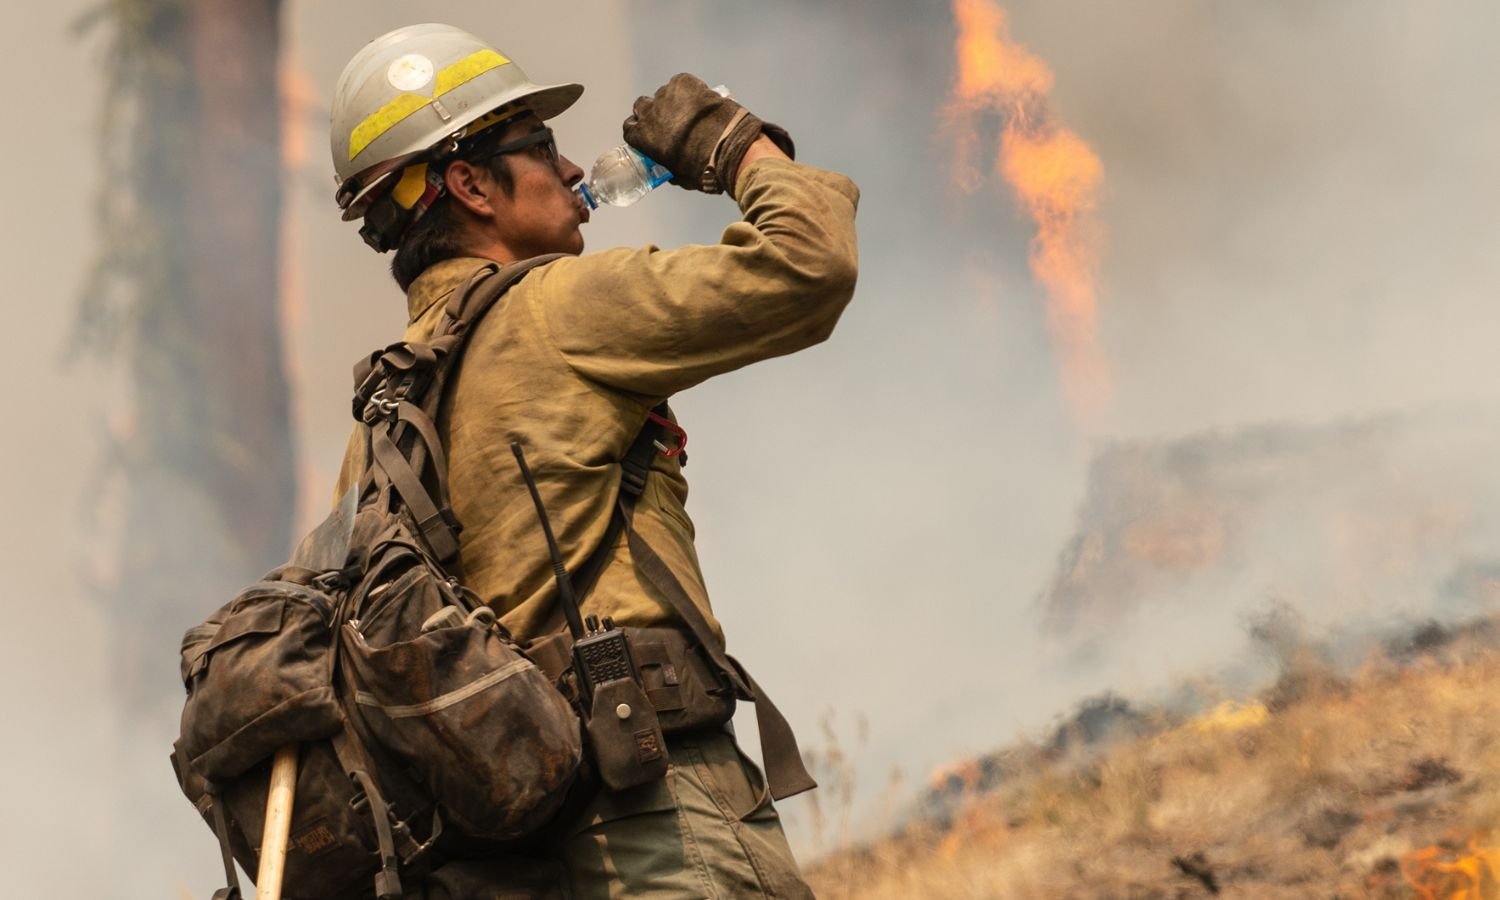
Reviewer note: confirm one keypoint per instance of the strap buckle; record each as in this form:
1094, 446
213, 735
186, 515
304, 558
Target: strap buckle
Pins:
379, 406
444, 516
677, 430
338, 579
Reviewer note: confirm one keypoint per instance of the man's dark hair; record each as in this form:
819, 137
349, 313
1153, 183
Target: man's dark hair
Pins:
438, 235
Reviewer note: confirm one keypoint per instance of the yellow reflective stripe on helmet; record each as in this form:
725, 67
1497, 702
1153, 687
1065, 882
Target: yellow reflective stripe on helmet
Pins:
467, 69
451, 77
383, 119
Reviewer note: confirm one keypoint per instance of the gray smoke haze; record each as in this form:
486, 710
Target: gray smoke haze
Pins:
1300, 201
1359, 529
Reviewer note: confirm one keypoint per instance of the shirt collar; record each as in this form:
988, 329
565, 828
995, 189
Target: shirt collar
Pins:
437, 282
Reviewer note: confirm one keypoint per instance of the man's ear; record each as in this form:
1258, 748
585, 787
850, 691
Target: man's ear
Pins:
470, 186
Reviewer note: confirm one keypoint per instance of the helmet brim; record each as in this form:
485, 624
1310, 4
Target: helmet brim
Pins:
552, 100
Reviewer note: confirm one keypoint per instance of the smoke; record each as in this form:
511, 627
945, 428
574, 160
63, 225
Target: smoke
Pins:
1302, 220
1301, 231
1300, 215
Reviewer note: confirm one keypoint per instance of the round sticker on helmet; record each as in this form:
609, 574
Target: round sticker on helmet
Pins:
411, 72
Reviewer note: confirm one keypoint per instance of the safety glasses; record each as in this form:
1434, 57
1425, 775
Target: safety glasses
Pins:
358, 193
542, 139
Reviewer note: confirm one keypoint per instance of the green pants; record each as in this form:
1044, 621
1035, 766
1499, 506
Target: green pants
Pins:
707, 830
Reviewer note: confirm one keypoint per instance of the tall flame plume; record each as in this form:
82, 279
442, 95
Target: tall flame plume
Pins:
1055, 177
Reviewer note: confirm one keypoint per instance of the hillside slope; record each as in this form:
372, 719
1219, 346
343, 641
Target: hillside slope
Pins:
1383, 782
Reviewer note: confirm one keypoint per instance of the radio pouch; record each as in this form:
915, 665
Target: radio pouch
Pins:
626, 737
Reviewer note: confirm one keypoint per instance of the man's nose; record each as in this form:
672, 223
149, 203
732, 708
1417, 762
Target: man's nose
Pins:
569, 171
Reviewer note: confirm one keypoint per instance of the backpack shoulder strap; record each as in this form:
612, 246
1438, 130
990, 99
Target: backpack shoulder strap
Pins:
786, 774
468, 304
399, 393
634, 469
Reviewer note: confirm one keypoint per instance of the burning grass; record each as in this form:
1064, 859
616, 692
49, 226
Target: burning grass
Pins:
1380, 783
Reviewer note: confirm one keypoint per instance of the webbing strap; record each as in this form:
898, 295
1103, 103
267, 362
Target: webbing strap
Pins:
231, 889
456, 317
405, 443
440, 536
417, 418
785, 772
634, 469
397, 845
409, 356
470, 304
388, 879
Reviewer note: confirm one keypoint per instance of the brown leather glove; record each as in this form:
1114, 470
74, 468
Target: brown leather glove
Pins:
698, 135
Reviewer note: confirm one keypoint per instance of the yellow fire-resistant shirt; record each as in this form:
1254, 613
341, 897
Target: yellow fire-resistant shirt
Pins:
573, 357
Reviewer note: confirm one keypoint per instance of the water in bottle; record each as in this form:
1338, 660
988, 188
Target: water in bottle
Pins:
624, 175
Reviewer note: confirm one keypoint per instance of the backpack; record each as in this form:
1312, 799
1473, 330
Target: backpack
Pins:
424, 731
413, 709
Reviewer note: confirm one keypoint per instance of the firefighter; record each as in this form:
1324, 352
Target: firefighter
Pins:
442, 150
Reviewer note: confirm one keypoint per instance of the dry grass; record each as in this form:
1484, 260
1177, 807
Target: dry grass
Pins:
1321, 790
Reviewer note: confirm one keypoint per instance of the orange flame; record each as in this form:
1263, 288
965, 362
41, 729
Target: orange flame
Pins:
1054, 175
1472, 876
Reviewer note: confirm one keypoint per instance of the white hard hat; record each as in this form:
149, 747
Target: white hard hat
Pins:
416, 89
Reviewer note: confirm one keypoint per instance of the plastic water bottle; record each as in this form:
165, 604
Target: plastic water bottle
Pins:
623, 175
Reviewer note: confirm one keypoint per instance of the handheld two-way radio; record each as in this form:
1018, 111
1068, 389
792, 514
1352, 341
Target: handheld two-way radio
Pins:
622, 725
603, 654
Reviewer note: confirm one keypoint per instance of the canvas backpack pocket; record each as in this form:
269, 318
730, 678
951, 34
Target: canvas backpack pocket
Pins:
332, 850
454, 699
257, 679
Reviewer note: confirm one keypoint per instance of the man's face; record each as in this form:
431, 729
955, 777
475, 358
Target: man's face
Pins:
542, 214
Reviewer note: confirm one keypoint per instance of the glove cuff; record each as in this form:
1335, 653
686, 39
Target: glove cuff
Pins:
724, 161
780, 138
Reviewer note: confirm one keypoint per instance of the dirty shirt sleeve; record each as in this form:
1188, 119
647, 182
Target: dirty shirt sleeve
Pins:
655, 322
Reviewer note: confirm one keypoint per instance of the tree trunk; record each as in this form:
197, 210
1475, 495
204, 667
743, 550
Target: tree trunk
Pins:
208, 461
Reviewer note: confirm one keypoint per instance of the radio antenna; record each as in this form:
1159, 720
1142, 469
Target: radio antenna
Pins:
565, 594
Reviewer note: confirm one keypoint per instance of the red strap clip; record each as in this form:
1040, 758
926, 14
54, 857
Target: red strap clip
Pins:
673, 427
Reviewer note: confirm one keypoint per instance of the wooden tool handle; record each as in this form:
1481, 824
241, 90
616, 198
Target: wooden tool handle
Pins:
278, 824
